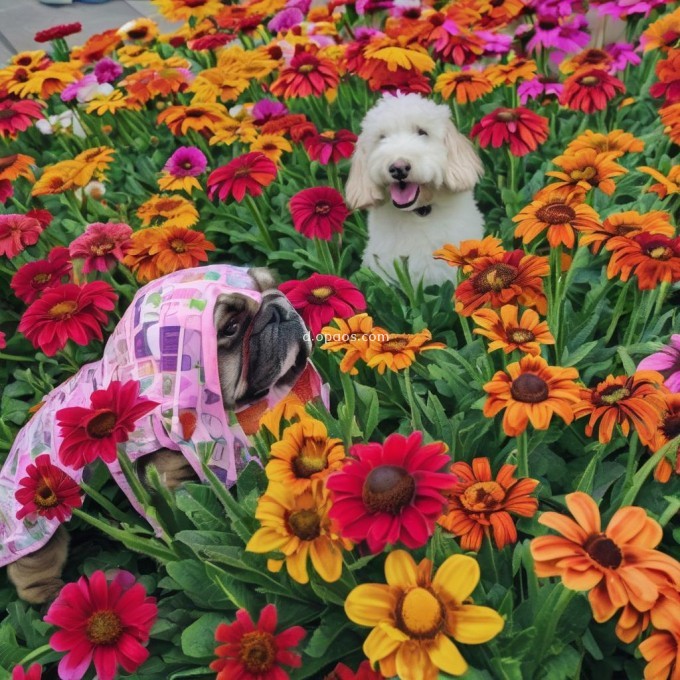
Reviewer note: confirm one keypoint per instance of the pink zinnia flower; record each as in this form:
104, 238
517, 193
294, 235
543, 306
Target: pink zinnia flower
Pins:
101, 623
17, 232
622, 54
267, 109
256, 652
318, 212
520, 128
101, 246
624, 8
17, 116
667, 362
187, 161
34, 278
33, 673
391, 492
95, 432
557, 33
322, 297
539, 87
330, 146
68, 312
47, 491
107, 70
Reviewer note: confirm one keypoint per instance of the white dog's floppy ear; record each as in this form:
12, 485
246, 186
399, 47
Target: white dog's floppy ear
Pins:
463, 167
360, 190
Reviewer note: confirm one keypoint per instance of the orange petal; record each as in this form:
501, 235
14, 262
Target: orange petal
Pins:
585, 511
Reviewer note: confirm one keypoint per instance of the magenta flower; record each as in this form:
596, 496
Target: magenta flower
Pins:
623, 54
286, 19
495, 43
667, 362
187, 161
107, 70
624, 8
538, 88
267, 109
101, 246
563, 35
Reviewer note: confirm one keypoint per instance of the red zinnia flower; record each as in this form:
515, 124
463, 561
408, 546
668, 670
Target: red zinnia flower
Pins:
95, 432
17, 232
104, 623
33, 673
330, 146
364, 672
34, 278
318, 212
521, 128
69, 312
247, 174
45, 217
255, 652
322, 297
61, 31
102, 245
306, 75
47, 491
6, 190
391, 491
590, 90
17, 116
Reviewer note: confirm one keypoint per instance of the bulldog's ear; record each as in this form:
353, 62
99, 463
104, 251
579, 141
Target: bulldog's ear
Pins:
263, 277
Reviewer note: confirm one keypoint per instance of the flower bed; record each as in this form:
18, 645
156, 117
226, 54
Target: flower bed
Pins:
494, 490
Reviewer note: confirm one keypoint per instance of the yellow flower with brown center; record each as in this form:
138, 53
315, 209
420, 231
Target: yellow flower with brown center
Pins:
220, 84
290, 408
353, 336
298, 526
508, 333
199, 117
666, 184
16, 165
138, 30
90, 164
184, 10
112, 102
616, 142
510, 73
557, 215
469, 251
398, 350
531, 391
42, 82
415, 615
399, 52
55, 180
305, 453
467, 86
272, 146
168, 211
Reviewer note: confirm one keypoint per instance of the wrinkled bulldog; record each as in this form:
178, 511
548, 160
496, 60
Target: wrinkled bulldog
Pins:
210, 346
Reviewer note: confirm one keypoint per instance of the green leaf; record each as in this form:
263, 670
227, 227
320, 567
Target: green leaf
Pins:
198, 640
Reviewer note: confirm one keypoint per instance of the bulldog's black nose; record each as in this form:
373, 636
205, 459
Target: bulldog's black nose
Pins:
399, 170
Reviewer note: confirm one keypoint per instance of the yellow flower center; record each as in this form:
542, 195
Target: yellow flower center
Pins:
483, 497
305, 524
586, 173
63, 310
529, 388
604, 551
178, 245
495, 278
589, 81
101, 248
388, 488
313, 457
45, 496
257, 652
420, 613
660, 253
306, 68
39, 279
611, 395
322, 293
101, 425
520, 335
104, 628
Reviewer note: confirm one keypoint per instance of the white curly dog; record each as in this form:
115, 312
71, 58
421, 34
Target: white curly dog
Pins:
415, 173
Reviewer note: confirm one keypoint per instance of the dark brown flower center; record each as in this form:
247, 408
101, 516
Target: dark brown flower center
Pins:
167, 206
305, 524
322, 208
671, 426
556, 213
494, 278
483, 497
313, 458
520, 335
420, 613
395, 344
44, 495
529, 388
104, 628
388, 488
463, 78
138, 33
257, 652
623, 229
594, 57
194, 113
613, 394
7, 161
101, 425
63, 310
604, 551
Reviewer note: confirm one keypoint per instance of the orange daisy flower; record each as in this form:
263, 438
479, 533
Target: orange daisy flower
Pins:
399, 350
635, 399
662, 648
478, 504
138, 258
653, 258
558, 215
626, 224
168, 211
148, 83
510, 73
199, 117
218, 83
666, 184
184, 10
55, 180
663, 33
305, 453
467, 86
504, 279
618, 566
179, 248
616, 143
670, 117
667, 429
590, 58
290, 408
89, 164
97, 46
507, 333
531, 392
15, 166
587, 169
353, 336
468, 252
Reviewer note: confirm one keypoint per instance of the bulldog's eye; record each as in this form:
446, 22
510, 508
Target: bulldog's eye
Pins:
230, 330
422, 132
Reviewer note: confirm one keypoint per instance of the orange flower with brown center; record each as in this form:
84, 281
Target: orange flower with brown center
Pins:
617, 566
199, 117
479, 505
15, 166
466, 254
467, 86
352, 335
590, 58
508, 333
510, 73
168, 211
557, 215
670, 117
90, 163
629, 224
588, 169
138, 257
615, 142
662, 648
398, 350
502, 279
531, 392
636, 399
665, 184
667, 429
179, 248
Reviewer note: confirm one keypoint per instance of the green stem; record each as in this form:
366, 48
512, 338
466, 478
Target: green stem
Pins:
662, 291
35, 655
512, 172
324, 254
334, 177
523, 454
264, 233
104, 502
618, 311
14, 357
546, 632
465, 325
416, 423
646, 470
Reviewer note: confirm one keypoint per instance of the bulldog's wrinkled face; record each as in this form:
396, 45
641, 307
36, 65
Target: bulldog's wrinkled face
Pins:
260, 346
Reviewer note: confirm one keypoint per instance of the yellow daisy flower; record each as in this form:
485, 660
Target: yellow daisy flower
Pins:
272, 146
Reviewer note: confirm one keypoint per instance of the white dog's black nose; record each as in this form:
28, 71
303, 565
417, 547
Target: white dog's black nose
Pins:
399, 170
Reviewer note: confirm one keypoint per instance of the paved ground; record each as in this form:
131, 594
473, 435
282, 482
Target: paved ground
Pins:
20, 19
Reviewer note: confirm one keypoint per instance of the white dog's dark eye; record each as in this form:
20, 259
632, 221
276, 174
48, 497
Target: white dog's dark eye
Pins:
381, 137
230, 329
422, 132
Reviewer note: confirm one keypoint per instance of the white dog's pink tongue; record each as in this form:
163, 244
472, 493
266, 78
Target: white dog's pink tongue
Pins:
403, 193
